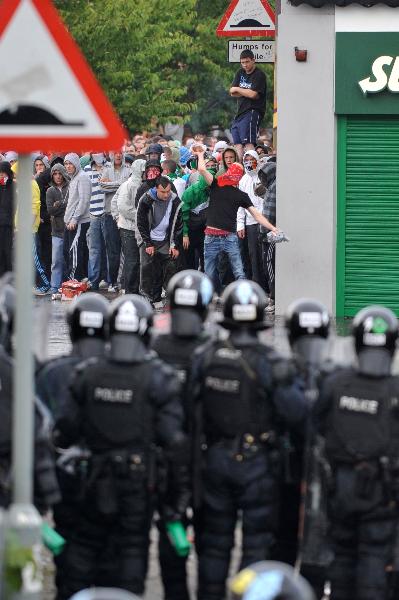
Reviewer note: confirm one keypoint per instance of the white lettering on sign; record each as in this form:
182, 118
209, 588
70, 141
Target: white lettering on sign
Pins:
383, 77
358, 405
264, 52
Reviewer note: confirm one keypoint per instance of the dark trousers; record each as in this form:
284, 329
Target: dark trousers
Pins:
113, 248
156, 270
255, 254
269, 265
194, 256
44, 246
361, 535
123, 535
173, 568
76, 252
6, 236
131, 267
231, 486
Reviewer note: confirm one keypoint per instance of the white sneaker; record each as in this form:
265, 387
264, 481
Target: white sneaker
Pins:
103, 285
122, 292
112, 289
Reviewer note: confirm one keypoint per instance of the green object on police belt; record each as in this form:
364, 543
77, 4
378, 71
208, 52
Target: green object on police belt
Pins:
178, 537
52, 540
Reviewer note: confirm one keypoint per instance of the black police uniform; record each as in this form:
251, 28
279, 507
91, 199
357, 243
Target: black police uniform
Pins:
52, 387
359, 417
240, 402
190, 293
119, 411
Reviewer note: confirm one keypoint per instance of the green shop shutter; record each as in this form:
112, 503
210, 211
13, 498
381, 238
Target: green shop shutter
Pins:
368, 213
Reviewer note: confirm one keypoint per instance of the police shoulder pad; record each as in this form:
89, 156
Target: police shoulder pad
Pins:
88, 362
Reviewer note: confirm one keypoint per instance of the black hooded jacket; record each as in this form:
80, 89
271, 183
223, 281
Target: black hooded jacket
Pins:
7, 196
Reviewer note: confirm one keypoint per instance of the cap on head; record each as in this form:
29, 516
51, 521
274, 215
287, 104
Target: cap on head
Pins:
307, 317
131, 315
243, 303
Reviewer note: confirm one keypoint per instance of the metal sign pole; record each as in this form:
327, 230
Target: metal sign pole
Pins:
22, 449
22, 536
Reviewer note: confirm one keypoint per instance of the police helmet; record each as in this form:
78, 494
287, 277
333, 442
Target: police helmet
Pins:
243, 305
308, 324
307, 317
190, 293
270, 580
375, 331
131, 318
131, 314
88, 317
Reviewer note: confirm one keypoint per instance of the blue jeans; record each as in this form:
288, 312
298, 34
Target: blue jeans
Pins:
57, 263
96, 244
213, 246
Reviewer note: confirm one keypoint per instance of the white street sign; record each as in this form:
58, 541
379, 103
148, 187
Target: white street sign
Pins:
264, 51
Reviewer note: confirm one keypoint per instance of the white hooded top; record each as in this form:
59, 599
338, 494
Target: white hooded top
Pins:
248, 184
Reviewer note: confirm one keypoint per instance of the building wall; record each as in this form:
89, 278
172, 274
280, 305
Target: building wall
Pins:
306, 142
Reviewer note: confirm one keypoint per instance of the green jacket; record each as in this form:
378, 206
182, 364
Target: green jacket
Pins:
193, 197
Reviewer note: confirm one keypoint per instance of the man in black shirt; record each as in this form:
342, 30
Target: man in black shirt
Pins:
249, 87
221, 224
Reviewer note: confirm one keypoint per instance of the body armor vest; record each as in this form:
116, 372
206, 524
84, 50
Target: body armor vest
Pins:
177, 352
363, 420
118, 410
233, 401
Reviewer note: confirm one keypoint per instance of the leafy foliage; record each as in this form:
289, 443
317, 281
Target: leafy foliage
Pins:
159, 61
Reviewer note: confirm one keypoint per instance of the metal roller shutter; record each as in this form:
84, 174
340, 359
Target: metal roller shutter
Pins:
368, 214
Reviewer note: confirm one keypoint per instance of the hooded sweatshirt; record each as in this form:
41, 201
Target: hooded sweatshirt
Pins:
116, 177
248, 184
223, 166
79, 194
57, 195
123, 203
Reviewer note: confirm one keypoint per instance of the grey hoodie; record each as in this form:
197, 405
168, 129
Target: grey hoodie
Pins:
123, 205
116, 178
57, 195
79, 194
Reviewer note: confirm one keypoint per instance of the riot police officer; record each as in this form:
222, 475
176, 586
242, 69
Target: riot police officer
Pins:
303, 540
119, 408
46, 491
242, 390
190, 294
357, 413
87, 320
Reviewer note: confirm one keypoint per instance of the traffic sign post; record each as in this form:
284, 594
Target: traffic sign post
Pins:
49, 98
247, 18
264, 51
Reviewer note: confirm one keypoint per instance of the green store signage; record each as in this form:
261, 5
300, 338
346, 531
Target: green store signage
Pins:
367, 73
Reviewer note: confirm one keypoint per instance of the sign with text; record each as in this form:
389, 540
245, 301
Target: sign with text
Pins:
264, 51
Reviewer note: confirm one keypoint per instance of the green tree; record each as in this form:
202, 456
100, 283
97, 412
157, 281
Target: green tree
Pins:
159, 60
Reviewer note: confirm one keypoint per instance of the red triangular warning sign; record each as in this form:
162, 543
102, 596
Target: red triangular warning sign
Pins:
247, 18
49, 98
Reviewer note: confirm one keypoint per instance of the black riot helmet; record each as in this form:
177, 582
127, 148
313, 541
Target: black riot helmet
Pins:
308, 324
131, 319
190, 293
270, 580
243, 303
88, 323
7, 311
375, 331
